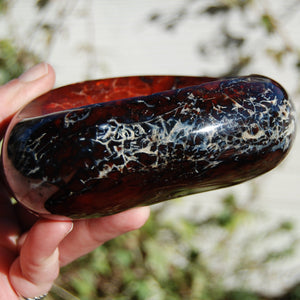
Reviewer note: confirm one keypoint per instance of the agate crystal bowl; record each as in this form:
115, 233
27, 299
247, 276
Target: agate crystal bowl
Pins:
100, 147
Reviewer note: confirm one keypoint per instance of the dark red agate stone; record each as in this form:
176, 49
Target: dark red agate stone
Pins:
100, 147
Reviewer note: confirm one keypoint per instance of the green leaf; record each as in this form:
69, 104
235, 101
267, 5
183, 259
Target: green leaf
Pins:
286, 226
241, 295
84, 283
269, 23
217, 9
41, 4
3, 6
123, 257
13, 60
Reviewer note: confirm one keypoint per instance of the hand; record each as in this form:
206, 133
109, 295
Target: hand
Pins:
32, 249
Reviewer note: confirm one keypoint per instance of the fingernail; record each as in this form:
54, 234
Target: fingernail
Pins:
22, 239
35, 73
71, 228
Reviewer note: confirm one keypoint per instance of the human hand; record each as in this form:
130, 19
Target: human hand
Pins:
33, 249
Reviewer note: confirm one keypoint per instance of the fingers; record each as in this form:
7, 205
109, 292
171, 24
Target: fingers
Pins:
13, 96
9, 229
28, 86
34, 271
91, 233
6, 259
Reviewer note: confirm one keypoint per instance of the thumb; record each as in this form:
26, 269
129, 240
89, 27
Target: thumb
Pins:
18, 92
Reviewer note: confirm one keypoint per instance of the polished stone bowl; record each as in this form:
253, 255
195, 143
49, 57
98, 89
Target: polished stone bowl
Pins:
100, 147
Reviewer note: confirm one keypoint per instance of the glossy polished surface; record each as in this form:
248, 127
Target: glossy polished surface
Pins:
100, 147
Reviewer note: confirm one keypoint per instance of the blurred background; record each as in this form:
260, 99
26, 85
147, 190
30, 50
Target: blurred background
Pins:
234, 243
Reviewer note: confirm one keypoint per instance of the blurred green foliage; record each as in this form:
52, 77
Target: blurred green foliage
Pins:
269, 23
14, 60
41, 4
3, 6
143, 264
162, 260
9, 65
